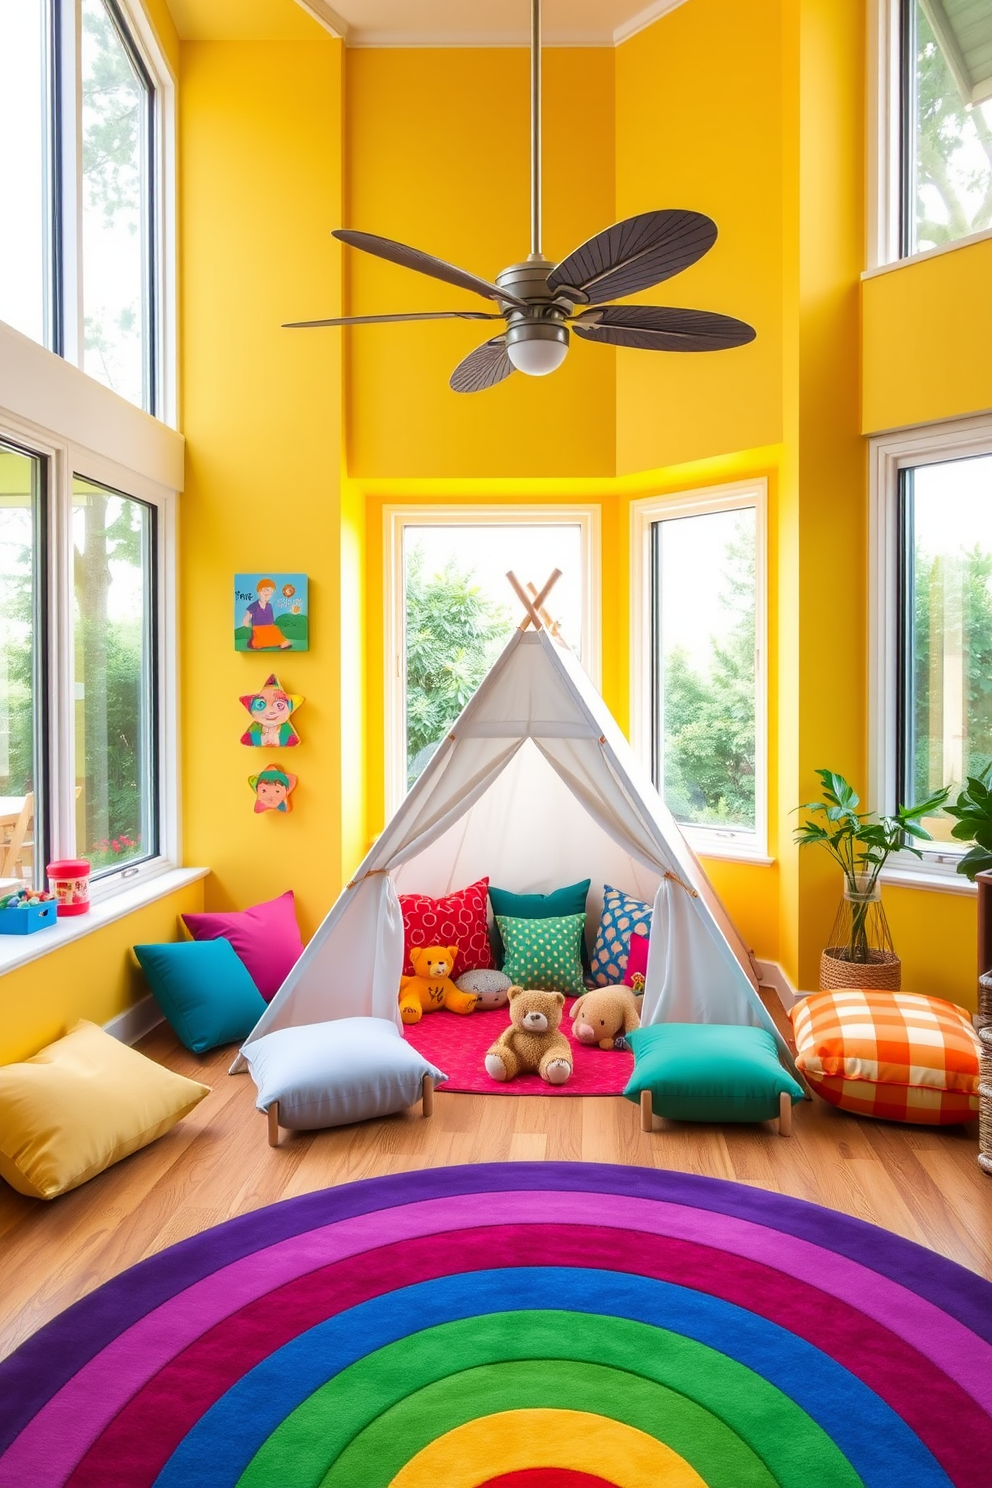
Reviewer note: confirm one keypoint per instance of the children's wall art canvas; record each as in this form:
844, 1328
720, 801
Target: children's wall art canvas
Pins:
271, 612
273, 787
271, 709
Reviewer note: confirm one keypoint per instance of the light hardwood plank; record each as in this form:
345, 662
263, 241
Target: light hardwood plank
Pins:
921, 1183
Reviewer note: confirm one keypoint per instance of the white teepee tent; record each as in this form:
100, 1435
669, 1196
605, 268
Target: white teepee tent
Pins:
535, 786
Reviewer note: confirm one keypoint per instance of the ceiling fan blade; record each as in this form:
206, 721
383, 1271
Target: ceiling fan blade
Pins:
662, 328
346, 320
424, 263
483, 368
634, 254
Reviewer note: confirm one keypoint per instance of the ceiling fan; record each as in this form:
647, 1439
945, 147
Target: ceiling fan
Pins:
541, 301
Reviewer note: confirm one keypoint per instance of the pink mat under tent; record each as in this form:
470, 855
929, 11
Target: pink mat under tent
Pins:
458, 1045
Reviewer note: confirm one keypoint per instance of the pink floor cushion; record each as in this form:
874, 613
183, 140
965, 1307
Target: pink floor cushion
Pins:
266, 937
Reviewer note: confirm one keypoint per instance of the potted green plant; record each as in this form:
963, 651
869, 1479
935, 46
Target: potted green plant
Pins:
973, 810
860, 952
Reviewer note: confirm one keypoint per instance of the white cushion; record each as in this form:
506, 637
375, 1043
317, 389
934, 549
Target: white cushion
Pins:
330, 1074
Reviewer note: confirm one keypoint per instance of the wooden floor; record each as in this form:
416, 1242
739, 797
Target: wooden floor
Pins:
922, 1184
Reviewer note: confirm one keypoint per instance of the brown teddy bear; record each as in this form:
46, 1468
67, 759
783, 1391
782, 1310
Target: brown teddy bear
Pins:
599, 1017
532, 1041
432, 987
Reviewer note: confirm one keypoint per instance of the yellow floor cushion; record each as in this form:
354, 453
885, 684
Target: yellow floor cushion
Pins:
79, 1106
896, 1055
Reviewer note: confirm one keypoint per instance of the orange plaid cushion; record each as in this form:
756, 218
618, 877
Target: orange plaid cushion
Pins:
897, 1055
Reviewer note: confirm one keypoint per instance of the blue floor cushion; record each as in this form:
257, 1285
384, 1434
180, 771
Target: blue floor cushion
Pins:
204, 989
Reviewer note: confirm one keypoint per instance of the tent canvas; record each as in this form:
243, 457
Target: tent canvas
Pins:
534, 786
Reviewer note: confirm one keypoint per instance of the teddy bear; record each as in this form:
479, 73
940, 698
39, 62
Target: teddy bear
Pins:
532, 1041
602, 1016
431, 987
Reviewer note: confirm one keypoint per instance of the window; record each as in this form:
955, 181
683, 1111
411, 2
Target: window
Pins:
452, 610
85, 669
26, 175
22, 652
932, 536
699, 642
931, 125
114, 650
80, 163
946, 121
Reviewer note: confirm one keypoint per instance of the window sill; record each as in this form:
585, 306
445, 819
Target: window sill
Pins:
726, 848
925, 253
928, 876
18, 950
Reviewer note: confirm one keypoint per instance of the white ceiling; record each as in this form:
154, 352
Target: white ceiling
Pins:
385, 23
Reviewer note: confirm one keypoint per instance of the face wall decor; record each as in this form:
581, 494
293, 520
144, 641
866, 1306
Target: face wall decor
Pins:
271, 612
271, 709
273, 787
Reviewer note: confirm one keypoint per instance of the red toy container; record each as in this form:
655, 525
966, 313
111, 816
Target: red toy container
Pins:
69, 881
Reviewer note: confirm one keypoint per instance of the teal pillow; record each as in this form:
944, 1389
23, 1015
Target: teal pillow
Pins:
709, 1072
567, 901
204, 989
544, 953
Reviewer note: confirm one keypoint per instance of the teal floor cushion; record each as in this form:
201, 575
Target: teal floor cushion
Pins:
709, 1072
204, 989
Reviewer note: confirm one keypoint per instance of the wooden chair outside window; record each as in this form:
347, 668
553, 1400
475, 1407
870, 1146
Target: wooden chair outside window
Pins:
18, 850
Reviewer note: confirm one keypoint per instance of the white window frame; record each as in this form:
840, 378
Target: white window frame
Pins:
395, 520
956, 439
68, 285
711, 842
51, 408
885, 146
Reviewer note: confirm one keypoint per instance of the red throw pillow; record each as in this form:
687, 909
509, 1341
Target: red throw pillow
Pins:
637, 960
455, 919
266, 937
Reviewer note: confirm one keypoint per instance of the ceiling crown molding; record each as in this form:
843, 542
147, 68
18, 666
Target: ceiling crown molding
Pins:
643, 19
327, 17
361, 36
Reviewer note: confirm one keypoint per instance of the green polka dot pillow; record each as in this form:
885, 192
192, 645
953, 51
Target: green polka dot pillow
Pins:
621, 912
545, 954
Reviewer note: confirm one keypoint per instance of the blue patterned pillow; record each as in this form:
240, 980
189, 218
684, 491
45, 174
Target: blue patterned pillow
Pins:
621, 912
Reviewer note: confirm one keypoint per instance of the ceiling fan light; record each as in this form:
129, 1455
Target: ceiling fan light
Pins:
537, 349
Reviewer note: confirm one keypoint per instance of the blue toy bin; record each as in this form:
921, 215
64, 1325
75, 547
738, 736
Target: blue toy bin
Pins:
27, 918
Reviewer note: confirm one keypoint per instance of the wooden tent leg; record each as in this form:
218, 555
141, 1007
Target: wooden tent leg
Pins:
785, 1115
428, 1096
273, 1115
647, 1117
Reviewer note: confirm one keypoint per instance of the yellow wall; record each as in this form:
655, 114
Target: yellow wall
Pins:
927, 333
437, 155
699, 127
95, 977
261, 188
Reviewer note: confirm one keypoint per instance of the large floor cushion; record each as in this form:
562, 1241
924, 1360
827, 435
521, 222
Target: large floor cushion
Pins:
79, 1106
709, 1072
896, 1055
330, 1074
266, 937
204, 989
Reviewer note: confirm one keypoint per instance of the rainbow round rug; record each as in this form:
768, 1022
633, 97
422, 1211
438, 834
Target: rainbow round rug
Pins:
545, 1325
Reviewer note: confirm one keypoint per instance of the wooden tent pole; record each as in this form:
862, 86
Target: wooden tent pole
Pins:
528, 604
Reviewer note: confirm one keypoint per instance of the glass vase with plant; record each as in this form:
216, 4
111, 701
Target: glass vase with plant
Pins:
860, 951
973, 810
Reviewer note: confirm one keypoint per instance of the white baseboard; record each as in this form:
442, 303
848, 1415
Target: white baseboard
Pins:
770, 974
136, 1021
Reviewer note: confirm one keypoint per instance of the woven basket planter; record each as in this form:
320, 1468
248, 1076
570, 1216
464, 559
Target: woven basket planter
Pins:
881, 973
985, 1101
984, 1017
